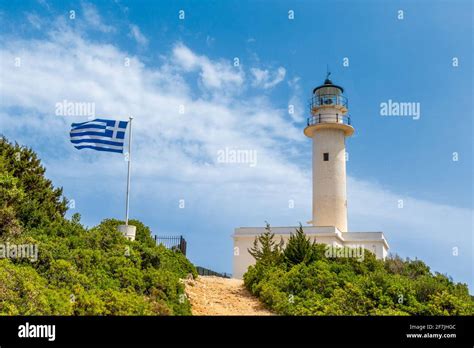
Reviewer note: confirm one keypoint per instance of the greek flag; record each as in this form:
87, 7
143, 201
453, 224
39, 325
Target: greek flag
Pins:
99, 134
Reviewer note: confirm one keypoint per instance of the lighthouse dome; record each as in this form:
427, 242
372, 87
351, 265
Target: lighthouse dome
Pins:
328, 88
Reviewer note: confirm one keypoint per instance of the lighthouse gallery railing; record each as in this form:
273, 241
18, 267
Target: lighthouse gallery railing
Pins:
328, 118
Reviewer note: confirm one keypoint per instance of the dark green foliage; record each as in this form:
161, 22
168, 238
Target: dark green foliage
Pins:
265, 249
299, 248
309, 281
79, 271
43, 203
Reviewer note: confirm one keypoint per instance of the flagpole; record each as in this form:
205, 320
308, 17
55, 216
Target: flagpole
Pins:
129, 166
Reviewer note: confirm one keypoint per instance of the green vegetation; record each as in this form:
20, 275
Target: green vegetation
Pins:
78, 271
301, 280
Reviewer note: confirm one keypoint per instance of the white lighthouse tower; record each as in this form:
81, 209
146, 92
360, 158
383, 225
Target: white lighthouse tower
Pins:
328, 126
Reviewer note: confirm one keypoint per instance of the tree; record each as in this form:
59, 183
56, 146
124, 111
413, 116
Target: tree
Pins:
42, 202
299, 248
10, 196
265, 249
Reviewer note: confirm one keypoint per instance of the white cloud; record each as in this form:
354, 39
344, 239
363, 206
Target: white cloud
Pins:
122, 8
93, 18
210, 40
137, 35
299, 109
77, 70
266, 78
44, 3
34, 20
214, 74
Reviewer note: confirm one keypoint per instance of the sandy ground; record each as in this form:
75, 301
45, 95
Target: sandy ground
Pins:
211, 295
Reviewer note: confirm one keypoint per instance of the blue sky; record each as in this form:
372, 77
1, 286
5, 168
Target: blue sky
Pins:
190, 63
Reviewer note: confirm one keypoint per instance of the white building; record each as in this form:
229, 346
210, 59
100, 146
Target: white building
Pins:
328, 127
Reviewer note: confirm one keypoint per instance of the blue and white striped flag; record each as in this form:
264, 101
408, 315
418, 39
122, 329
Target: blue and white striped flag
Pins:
99, 134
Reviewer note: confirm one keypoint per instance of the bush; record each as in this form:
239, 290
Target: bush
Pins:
299, 249
265, 249
43, 203
307, 282
79, 271
110, 276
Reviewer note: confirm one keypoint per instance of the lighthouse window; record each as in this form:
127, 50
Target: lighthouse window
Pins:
326, 156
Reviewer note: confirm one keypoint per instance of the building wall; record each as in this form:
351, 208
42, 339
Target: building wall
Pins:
329, 179
244, 238
242, 259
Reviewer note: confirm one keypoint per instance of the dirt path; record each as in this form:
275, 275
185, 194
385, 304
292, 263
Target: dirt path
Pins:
211, 295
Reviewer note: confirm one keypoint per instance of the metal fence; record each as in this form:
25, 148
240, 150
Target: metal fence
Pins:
173, 243
207, 272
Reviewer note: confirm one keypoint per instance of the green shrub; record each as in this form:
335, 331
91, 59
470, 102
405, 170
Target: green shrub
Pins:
307, 282
79, 271
265, 249
43, 203
299, 249
25, 292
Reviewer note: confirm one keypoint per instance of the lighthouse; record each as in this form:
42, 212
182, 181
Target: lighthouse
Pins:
328, 126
